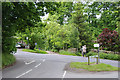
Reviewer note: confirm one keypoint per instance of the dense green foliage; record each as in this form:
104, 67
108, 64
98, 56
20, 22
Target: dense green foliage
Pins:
79, 21
7, 59
34, 36
35, 51
67, 53
102, 15
69, 25
59, 36
93, 67
15, 18
75, 18
109, 56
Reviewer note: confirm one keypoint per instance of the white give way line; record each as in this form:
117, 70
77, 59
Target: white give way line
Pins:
24, 73
30, 69
64, 74
37, 65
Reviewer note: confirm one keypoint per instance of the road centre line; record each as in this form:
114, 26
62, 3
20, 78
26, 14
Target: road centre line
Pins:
37, 65
24, 73
29, 62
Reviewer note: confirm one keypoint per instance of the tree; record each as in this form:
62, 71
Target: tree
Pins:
109, 39
16, 17
59, 36
102, 15
79, 21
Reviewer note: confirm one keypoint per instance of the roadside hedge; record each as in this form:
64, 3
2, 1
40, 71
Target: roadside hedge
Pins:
7, 60
109, 56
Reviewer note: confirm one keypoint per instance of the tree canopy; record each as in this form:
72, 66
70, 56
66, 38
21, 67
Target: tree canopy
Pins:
69, 25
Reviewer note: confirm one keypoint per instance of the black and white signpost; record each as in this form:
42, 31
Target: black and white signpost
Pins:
98, 58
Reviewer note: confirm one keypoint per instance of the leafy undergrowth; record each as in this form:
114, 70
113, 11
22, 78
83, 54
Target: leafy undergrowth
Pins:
35, 51
109, 56
62, 52
93, 66
7, 60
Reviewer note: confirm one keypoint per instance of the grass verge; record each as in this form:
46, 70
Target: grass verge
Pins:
93, 66
35, 51
7, 60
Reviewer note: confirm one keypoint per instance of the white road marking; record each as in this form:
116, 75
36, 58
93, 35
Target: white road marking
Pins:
37, 65
24, 73
64, 74
29, 62
43, 60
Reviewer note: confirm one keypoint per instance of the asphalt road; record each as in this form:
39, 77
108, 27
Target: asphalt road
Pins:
33, 65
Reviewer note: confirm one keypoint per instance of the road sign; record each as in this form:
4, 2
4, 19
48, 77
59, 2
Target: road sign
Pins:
96, 45
94, 56
27, 38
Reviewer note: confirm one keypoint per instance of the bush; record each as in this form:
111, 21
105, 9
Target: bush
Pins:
109, 56
78, 54
109, 39
54, 50
67, 53
91, 53
7, 59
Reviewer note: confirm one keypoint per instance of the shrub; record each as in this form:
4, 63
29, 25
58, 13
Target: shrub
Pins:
54, 50
78, 54
67, 53
109, 39
109, 56
91, 53
7, 59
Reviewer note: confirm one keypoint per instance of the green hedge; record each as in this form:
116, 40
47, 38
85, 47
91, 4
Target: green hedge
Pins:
7, 59
91, 53
109, 56
54, 50
67, 53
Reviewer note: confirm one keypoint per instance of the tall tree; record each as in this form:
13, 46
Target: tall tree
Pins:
102, 15
16, 16
79, 20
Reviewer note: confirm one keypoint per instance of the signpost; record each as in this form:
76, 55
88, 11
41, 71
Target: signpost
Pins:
27, 44
98, 58
36, 45
96, 45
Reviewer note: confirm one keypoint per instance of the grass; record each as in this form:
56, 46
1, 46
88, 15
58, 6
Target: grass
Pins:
7, 59
95, 67
35, 51
62, 52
